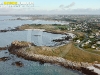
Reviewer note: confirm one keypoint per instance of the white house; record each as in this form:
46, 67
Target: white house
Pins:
98, 42
78, 41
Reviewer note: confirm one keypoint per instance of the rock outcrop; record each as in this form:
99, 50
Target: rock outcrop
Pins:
4, 58
66, 38
20, 44
3, 48
18, 63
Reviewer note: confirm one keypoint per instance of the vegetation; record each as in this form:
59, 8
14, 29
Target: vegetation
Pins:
61, 27
93, 51
69, 51
79, 36
55, 28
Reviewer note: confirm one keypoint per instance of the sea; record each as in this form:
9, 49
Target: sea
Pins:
39, 38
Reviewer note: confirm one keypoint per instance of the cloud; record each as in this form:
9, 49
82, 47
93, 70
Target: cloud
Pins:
54, 11
68, 6
5, 9
9, 10
61, 6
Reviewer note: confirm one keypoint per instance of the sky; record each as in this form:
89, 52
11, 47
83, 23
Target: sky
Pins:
54, 7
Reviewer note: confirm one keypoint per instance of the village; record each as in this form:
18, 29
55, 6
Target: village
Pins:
89, 39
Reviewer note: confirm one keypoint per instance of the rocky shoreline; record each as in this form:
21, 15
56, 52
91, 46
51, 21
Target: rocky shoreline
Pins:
18, 29
19, 50
5, 30
54, 32
3, 48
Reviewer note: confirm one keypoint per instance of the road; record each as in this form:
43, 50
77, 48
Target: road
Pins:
78, 46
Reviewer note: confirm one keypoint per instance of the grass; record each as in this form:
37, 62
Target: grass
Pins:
76, 54
34, 26
69, 52
49, 27
93, 51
